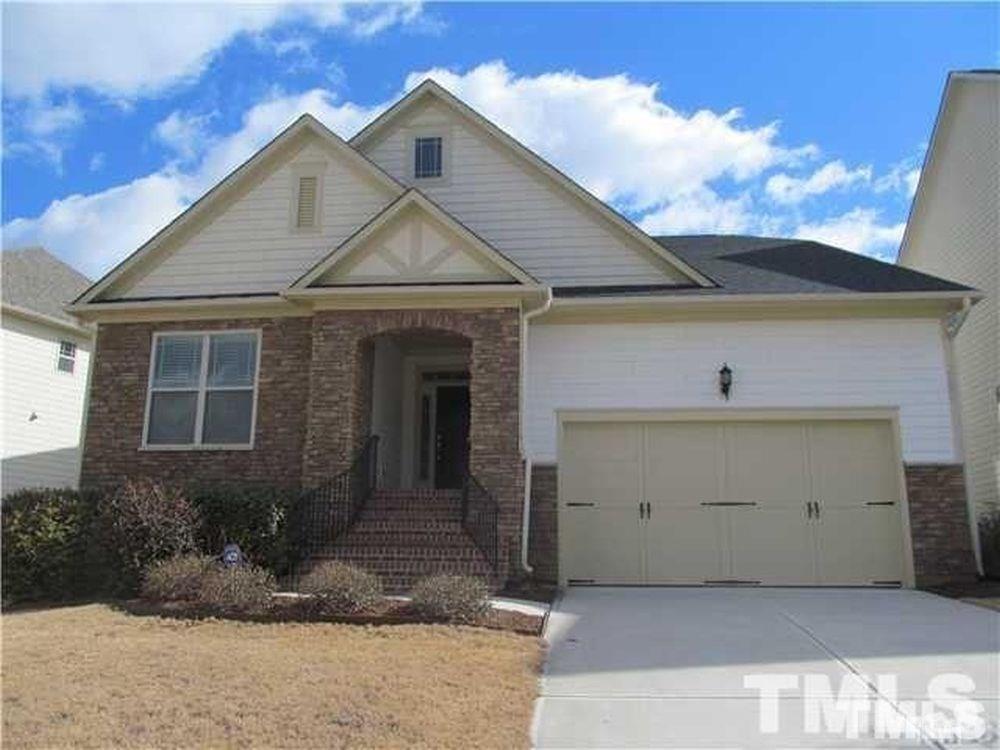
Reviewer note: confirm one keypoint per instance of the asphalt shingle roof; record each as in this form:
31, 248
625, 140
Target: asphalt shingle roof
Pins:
767, 265
36, 280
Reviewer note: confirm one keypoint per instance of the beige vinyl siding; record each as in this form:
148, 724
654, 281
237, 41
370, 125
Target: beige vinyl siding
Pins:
776, 364
535, 223
253, 246
954, 232
45, 451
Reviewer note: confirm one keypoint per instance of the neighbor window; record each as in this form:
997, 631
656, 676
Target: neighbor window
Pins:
202, 389
427, 157
307, 202
66, 361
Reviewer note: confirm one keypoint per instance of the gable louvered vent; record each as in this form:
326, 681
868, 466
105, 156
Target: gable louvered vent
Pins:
305, 216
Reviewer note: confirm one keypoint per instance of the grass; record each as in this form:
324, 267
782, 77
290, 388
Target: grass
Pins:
92, 676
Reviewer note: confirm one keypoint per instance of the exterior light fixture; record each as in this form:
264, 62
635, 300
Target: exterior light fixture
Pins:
725, 380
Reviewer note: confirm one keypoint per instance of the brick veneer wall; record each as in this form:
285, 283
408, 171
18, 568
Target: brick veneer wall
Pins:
117, 408
939, 523
543, 536
340, 394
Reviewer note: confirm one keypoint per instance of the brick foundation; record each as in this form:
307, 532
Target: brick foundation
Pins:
543, 538
117, 408
939, 523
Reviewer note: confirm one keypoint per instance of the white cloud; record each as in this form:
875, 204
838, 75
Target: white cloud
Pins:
701, 212
616, 136
858, 230
834, 175
902, 177
96, 163
125, 50
186, 134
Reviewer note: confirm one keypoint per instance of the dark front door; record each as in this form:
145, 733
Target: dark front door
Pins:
451, 439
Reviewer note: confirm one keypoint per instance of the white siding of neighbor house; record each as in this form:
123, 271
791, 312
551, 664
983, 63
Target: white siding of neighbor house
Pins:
776, 364
252, 247
537, 224
44, 452
954, 232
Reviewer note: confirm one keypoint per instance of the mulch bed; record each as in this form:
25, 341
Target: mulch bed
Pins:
985, 593
291, 609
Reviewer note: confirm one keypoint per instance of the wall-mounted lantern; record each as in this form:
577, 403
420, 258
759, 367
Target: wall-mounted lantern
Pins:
725, 380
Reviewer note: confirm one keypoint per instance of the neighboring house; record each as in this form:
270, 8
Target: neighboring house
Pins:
46, 354
954, 231
542, 376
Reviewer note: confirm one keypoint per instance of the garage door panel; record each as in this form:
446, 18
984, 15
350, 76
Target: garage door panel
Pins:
684, 544
602, 464
772, 546
860, 545
766, 462
684, 463
601, 544
853, 463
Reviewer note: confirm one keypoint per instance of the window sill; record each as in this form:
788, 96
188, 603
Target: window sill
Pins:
192, 447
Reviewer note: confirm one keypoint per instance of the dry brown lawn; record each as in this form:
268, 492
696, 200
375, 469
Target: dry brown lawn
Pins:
91, 676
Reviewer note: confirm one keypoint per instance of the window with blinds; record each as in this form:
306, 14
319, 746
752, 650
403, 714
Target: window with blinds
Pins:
428, 157
202, 389
308, 196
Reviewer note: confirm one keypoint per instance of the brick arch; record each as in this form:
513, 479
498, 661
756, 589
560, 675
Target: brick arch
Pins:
339, 393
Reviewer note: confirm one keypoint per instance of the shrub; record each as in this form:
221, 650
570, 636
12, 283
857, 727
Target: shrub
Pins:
342, 589
46, 545
145, 521
177, 578
246, 588
450, 597
253, 516
989, 540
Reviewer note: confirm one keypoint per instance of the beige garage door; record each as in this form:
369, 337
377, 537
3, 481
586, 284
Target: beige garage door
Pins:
768, 502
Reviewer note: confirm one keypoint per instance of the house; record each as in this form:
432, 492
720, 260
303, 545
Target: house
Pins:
954, 231
46, 355
468, 363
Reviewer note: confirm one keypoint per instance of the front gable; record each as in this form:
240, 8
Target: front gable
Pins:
521, 205
413, 242
242, 237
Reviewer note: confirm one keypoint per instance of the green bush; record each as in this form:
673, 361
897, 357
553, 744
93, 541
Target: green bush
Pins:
253, 516
47, 552
178, 578
144, 521
989, 541
452, 598
245, 588
340, 588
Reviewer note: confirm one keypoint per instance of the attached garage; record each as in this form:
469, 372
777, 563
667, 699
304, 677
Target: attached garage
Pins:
759, 498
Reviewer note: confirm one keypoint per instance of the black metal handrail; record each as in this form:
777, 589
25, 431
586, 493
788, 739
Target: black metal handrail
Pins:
481, 519
331, 509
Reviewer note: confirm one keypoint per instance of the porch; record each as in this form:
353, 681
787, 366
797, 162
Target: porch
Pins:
422, 407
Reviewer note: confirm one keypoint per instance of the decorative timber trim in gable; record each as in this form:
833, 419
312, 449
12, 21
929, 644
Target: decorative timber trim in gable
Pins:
398, 266
372, 132
231, 183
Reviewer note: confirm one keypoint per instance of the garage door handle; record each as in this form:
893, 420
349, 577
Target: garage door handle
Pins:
649, 511
579, 505
880, 502
728, 504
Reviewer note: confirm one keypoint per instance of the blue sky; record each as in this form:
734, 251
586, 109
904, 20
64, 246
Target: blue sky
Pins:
779, 119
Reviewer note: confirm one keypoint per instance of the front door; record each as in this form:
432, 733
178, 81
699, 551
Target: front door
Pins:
451, 435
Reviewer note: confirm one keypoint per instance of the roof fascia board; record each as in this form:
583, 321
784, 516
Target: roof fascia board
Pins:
229, 183
370, 133
411, 197
49, 320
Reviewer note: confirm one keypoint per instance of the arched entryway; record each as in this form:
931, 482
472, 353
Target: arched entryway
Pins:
420, 407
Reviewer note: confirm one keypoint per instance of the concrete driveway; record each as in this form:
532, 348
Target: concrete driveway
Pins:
667, 667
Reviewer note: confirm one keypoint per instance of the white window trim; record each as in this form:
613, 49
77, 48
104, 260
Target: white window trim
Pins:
442, 131
300, 170
202, 389
75, 359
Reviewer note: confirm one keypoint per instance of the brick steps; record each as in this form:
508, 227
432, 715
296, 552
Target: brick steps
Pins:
404, 535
